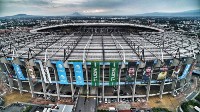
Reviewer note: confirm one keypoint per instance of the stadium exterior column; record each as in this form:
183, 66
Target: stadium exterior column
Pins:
30, 79
44, 88
182, 83
86, 71
31, 86
10, 81
176, 62
103, 84
95, 30
149, 86
134, 86
71, 82
118, 91
66, 65
57, 84
19, 85
120, 72
162, 88
49, 64
174, 82
43, 83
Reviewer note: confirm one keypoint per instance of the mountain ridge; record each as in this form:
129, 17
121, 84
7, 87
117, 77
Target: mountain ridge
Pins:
188, 13
183, 13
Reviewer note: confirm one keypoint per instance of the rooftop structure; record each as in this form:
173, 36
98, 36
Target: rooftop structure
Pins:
100, 60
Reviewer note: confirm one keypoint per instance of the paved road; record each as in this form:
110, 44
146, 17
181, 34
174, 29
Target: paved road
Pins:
86, 105
191, 96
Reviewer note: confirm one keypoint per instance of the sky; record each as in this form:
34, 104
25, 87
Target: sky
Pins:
94, 7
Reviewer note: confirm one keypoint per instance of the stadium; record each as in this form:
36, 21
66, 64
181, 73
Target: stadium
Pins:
117, 61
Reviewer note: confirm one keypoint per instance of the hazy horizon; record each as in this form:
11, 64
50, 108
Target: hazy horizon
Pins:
94, 7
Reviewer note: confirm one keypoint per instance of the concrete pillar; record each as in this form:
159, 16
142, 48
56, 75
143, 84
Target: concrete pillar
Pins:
95, 30
43, 83
118, 91
57, 84
19, 82
10, 81
120, 72
71, 83
134, 86
29, 69
66, 65
162, 85
182, 83
49, 64
31, 86
86, 71
173, 87
149, 86
103, 88
44, 88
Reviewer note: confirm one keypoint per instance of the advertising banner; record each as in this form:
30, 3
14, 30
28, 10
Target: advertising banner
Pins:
147, 71
186, 71
131, 71
18, 72
78, 70
113, 73
61, 73
95, 73
31, 72
147, 74
175, 72
163, 73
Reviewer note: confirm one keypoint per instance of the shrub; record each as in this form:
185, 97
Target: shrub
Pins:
102, 111
28, 108
185, 105
160, 110
198, 97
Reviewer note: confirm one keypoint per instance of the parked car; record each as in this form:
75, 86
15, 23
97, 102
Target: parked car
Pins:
1, 101
106, 100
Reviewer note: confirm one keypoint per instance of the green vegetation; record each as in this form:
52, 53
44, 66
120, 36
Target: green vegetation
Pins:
102, 111
198, 34
198, 97
28, 108
2, 102
94, 61
186, 105
160, 110
2, 27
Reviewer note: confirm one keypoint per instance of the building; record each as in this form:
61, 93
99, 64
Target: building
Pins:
107, 61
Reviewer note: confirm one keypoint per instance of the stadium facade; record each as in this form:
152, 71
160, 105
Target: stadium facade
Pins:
103, 60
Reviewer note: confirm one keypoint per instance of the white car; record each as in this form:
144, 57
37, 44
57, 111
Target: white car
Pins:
100, 101
106, 100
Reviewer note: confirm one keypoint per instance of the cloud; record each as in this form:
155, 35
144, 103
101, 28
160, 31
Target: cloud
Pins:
107, 7
105, 3
67, 1
38, 2
94, 11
